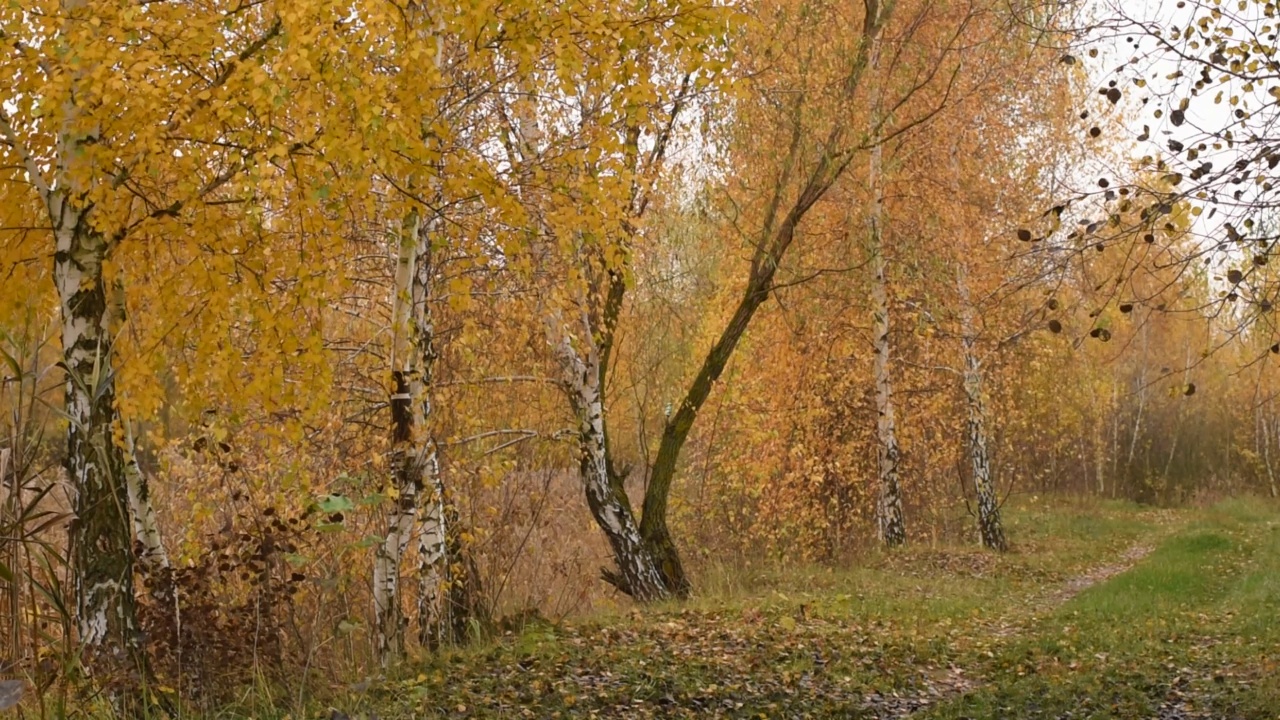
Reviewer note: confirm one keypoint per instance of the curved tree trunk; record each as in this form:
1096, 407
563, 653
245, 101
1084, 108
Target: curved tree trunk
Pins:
648, 560
150, 551
146, 528
779, 231
637, 572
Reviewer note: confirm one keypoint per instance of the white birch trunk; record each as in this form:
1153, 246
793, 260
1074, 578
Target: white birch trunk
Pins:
146, 529
101, 533
638, 574
1099, 448
437, 621
406, 471
990, 528
418, 502
889, 506
150, 549
151, 552
1268, 424
1142, 400
100, 548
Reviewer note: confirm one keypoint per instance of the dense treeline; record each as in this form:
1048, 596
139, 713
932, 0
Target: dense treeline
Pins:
336, 332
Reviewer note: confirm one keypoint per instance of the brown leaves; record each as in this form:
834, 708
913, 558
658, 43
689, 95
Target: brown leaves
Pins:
768, 660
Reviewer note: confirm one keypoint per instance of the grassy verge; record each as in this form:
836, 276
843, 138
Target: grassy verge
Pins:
1191, 631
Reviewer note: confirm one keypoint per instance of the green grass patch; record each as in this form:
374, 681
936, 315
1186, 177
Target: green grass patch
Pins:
1168, 635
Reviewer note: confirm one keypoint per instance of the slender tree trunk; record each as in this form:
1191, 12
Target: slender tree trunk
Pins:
653, 523
407, 458
146, 528
778, 232
1115, 425
889, 506
1177, 428
435, 612
990, 529
148, 542
150, 550
1142, 399
1099, 448
448, 584
101, 534
1267, 425
418, 490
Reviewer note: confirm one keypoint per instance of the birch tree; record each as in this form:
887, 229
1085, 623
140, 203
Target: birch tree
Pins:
990, 528
892, 526
435, 159
413, 463
802, 137
956, 235
131, 124
625, 101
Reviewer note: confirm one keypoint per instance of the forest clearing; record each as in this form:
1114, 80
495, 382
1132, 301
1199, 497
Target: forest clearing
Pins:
639, 358
1176, 622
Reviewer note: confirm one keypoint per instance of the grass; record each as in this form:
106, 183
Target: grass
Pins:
1193, 628
934, 633
949, 633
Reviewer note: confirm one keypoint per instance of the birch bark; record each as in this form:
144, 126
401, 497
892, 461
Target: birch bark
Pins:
406, 480
637, 572
417, 489
990, 528
101, 532
889, 505
440, 619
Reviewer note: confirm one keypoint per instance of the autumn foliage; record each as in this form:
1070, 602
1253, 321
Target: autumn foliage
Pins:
332, 333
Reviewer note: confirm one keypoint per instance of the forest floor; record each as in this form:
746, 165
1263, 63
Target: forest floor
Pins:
1099, 611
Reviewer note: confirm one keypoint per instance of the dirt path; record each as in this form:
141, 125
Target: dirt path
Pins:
1100, 574
941, 686
1046, 602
